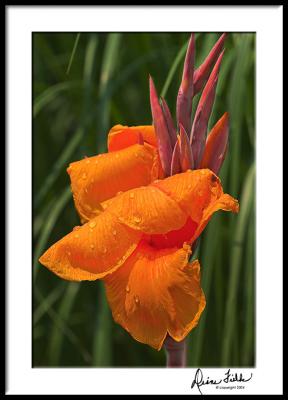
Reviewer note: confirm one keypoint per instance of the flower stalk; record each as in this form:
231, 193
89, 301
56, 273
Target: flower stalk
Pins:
175, 353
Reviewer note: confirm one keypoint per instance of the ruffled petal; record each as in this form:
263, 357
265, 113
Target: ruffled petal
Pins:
189, 302
225, 203
121, 136
96, 179
93, 250
147, 294
197, 193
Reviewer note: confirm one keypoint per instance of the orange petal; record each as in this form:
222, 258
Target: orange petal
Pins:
189, 301
96, 179
225, 202
92, 250
121, 136
148, 292
196, 192
148, 209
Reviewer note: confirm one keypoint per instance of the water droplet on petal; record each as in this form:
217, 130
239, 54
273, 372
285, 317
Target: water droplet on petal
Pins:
136, 298
137, 219
88, 161
84, 176
76, 236
118, 193
92, 246
114, 233
92, 224
127, 289
104, 250
69, 253
131, 195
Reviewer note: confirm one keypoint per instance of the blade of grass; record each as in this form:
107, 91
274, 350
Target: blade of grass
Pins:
110, 58
49, 225
248, 340
77, 137
246, 203
50, 94
237, 108
65, 308
63, 327
102, 341
40, 311
73, 53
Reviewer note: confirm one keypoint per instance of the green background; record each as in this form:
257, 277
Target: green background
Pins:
83, 84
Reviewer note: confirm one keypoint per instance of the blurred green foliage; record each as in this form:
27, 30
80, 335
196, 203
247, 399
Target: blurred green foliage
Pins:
83, 84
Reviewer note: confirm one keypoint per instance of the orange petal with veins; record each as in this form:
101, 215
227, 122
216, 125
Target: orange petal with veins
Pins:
148, 210
148, 293
99, 178
121, 136
93, 250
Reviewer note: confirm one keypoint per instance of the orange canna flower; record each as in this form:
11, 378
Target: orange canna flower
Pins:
140, 245
139, 223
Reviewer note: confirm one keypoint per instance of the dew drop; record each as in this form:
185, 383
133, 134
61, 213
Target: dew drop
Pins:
118, 193
87, 161
69, 253
92, 224
76, 236
137, 219
114, 233
127, 289
131, 195
104, 250
92, 246
84, 176
136, 298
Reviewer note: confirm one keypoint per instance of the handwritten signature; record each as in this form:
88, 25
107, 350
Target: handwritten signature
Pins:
228, 377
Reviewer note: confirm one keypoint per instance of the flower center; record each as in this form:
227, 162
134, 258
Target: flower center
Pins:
173, 238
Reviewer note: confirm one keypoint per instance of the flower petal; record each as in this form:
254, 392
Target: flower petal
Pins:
216, 145
93, 250
121, 136
185, 93
202, 114
202, 73
146, 294
96, 179
199, 194
189, 301
163, 137
147, 209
